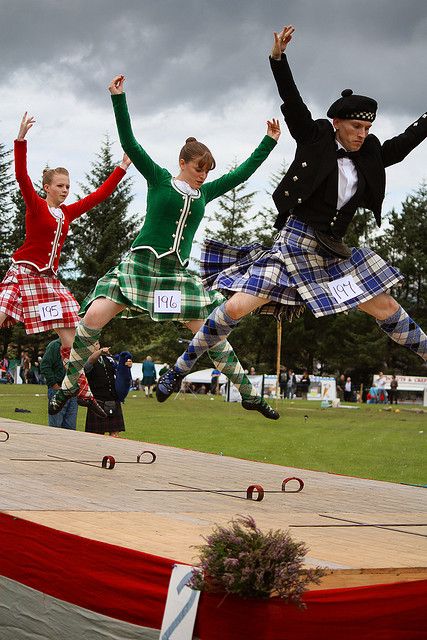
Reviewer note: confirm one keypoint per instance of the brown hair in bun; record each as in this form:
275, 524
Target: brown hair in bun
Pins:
194, 150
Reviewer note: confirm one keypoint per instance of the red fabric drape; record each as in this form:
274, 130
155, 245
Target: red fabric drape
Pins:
132, 586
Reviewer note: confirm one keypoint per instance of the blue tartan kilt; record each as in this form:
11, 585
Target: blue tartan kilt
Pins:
296, 272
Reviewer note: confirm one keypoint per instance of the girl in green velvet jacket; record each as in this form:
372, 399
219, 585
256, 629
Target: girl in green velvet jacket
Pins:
153, 277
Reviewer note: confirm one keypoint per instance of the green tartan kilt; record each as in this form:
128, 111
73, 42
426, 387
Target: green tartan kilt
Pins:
134, 281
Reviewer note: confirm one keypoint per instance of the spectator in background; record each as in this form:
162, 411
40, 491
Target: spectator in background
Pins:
24, 371
348, 390
109, 380
291, 384
53, 371
252, 371
214, 381
393, 390
381, 383
340, 387
282, 380
304, 384
148, 376
372, 397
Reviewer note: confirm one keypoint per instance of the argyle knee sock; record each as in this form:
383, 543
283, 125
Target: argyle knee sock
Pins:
405, 331
225, 360
84, 389
215, 329
83, 347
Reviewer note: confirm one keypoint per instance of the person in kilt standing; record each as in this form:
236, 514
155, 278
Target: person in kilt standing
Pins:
103, 373
148, 376
31, 292
337, 168
159, 255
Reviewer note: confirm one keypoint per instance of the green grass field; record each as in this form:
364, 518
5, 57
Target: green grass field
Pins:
372, 441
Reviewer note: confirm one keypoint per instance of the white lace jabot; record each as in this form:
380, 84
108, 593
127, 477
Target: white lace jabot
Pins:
185, 187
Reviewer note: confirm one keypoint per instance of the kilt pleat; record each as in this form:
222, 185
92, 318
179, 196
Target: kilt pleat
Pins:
23, 288
295, 272
134, 281
98, 424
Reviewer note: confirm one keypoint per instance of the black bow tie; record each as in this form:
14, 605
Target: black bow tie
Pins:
343, 153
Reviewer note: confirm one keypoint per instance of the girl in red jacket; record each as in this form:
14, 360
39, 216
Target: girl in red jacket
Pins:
30, 292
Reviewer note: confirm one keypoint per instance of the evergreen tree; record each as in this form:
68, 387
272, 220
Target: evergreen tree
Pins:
17, 232
265, 231
362, 229
6, 184
232, 217
99, 238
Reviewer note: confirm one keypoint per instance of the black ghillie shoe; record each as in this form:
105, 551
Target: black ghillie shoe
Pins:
263, 407
91, 404
168, 383
58, 401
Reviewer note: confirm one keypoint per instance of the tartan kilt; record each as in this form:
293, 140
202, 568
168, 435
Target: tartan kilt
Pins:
98, 424
295, 272
23, 288
134, 281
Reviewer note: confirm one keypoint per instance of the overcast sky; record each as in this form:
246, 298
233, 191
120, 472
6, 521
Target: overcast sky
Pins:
200, 68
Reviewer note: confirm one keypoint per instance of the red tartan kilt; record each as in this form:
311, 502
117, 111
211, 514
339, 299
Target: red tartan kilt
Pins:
21, 291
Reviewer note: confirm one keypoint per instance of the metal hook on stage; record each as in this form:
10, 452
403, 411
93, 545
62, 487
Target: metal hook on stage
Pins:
250, 490
152, 454
2, 438
285, 482
108, 462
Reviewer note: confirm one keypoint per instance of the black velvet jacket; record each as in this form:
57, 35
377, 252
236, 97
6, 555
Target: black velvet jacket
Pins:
315, 165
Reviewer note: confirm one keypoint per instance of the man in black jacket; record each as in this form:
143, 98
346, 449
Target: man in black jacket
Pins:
338, 167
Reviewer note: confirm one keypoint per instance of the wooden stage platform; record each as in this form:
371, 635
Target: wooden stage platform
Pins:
364, 531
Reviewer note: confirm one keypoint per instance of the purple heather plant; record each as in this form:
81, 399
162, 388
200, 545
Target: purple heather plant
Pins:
243, 561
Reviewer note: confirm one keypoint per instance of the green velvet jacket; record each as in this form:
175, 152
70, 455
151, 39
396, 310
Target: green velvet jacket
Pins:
172, 217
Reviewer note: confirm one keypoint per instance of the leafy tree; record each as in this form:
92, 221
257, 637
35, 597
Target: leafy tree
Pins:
99, 239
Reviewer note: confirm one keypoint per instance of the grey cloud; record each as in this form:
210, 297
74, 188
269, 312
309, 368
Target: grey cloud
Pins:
199, 51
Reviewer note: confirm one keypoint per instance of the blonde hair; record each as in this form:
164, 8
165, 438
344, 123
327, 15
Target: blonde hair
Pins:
49, 173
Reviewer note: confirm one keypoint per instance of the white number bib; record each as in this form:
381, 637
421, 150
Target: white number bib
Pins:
167, 301
344, 289
181, 606
50, 311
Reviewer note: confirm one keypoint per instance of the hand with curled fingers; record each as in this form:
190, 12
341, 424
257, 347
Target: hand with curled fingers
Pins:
116, 85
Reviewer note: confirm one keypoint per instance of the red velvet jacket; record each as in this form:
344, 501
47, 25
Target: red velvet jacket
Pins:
44, 233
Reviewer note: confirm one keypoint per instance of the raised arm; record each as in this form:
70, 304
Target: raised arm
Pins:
20, 153
397, 148
241, 173
297, 116
140, 158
